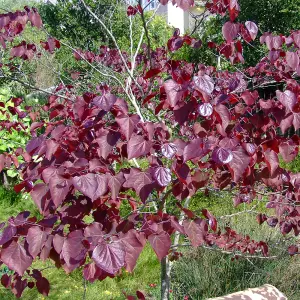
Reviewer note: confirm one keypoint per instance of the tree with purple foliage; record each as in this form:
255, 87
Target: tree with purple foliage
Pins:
193, 127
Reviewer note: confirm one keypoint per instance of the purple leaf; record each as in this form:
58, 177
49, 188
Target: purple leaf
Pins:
292, 59
169, 150
204, 83
43, 286
59, 189
196, 231
73, 250
252, 29
162, 175
205, 109
91, 185
134, 242
230, 31
239, 163
272, 161
287, 98
160, 243
174, 92
106, 140
7, 234
36, 239
16, 257
115, 183
196, 148
105, 102
222, 156
142, 183
94, 233
127, 124
109, 257
138, 146
91, 272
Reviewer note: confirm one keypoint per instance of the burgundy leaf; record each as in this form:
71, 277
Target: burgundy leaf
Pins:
109, 257
196, 148
252, 29
91, 185
134, 242
222, 156
94, 233
59, 189
36, 239
142, 183
152, 73
174, 92
91, 272
16, 257
168, 150
73, 250
292, 59
105, 102
204, 83
43, 286
115, 183
287, 98
7, 234
196, 231
184, 4
162, 175
272, 161
138, 146
127, 124
230, 31
160, 243
106, 141
205, 109
239, 163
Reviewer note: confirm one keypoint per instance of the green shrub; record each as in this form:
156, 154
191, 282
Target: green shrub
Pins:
213, 273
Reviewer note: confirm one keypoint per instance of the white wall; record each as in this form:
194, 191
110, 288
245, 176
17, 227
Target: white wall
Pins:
178, 18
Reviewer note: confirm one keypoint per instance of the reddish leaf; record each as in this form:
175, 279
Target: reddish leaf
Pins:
91, 272
115, 183
109, 257
134, 243
59, 189
7, 234
73, 250
105, 102
106, 141
196, 231
174, 92
169, 150
162, 175
230, 31
142, 182
91, 185
204, 83
205, 109
43, 286
16, 257
36, 239
127, 124
239, 163
292, 59
152, 73
222, 156
160, 243
138, 146
272, 161
252, 29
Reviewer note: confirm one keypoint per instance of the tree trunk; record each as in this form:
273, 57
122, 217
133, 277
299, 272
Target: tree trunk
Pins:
165, 278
